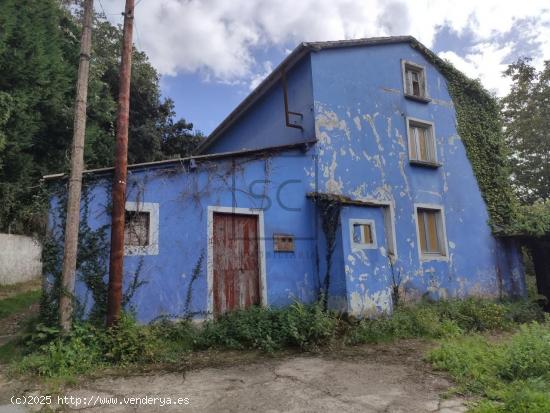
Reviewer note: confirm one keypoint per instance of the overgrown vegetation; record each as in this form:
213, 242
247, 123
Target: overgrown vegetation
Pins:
513, 374
450, 318
39, 51
480, 126
301, 327
18, 303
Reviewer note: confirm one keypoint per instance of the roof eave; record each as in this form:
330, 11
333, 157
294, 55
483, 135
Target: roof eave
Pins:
294, 57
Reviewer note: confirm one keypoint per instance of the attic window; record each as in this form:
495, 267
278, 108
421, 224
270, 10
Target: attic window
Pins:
414, 81
422, 148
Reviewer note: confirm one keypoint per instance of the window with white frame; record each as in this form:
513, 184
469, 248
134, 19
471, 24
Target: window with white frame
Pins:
422, 147
414, 79
431, 232
141, 228
362, 234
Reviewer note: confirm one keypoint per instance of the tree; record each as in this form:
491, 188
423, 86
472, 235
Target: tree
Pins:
36, 78
39, 50
526, 113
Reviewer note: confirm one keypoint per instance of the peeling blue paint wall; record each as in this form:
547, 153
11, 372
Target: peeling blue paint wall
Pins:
353, 103
265, 183
264, 124
360, 113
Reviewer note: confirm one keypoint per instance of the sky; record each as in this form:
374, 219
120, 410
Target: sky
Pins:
212, 53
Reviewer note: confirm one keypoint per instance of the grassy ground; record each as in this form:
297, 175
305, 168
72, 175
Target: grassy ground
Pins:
18, 305
18, 302
498, 352
511, 374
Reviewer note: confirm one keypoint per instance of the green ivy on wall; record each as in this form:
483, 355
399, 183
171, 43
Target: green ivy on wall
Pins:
479, 125
92, 260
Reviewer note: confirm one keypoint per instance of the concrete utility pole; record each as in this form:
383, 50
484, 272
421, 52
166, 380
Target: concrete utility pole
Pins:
75, 180
116, 263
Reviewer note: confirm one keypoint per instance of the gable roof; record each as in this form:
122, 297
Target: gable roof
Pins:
294, 57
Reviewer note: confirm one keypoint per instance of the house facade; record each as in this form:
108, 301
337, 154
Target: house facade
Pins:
342, 173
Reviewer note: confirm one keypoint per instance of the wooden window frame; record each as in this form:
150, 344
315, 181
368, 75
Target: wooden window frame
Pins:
152, 247
407, 66
414, 122
355, 246
443, 253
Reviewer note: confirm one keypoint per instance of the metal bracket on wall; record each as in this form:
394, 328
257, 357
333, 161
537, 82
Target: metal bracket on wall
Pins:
288, 112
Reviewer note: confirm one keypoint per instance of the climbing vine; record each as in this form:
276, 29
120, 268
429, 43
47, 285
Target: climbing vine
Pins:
479, 126
92, 260
329, 207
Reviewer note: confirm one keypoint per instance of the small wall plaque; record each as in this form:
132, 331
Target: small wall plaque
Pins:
283, 242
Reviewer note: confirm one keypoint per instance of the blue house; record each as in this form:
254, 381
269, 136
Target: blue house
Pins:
341, 174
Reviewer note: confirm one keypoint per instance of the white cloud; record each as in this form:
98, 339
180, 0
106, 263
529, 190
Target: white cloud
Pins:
218, 37
486, 62
258, 77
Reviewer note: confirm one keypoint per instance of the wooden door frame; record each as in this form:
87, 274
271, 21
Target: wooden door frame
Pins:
210, 257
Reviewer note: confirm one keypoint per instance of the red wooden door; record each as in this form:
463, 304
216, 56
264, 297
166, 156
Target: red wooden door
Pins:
236, 270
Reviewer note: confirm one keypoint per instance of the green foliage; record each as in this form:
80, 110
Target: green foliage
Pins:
527, 355
498, 144
39, 53
531, 220
480, 128
86, 348
18, 303
447, 318
526, 113
127, 343
512, 375
299, 325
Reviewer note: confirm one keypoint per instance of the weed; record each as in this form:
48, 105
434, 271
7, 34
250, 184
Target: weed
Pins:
18, 303
303, 326
299, 325
513, 375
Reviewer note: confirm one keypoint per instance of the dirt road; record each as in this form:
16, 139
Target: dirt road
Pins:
383, 378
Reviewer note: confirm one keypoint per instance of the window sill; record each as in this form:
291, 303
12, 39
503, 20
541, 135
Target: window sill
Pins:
361, 247
418, 98
427, 164
434, 257
132, 250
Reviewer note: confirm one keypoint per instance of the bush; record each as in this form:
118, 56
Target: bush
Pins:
299, 325
127, 343
75, 353
86, 348
306, 327
474, 314
527, 355
514, 375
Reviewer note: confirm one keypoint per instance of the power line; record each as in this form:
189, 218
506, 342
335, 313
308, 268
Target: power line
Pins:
105, 13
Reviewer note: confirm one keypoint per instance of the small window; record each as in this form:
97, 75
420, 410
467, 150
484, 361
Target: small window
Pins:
136, 228
414, 79
431, 233
421, 142
141, 228
362, 234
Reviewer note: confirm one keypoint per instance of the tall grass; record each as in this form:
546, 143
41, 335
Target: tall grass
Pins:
513, 375
299, 326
